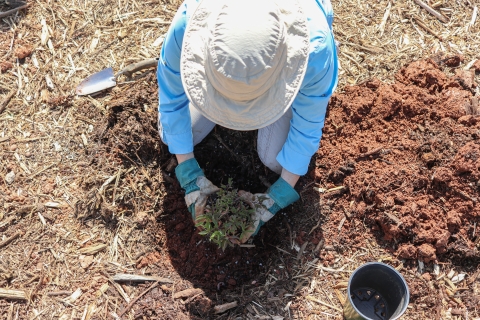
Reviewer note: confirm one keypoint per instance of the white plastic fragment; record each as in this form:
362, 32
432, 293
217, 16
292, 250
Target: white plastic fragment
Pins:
459, 277
84, 139
49, 82
74, 296
10, 177
421, 266
158, 42
436, 269
52, 204
451, 274
45, 34
321, 190
57, 146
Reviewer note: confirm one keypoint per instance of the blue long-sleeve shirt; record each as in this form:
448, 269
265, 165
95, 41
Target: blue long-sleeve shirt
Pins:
308, 108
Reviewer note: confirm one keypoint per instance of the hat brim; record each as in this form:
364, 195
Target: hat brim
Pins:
265, 109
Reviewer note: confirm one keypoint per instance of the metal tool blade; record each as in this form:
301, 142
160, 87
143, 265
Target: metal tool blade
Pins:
97, 82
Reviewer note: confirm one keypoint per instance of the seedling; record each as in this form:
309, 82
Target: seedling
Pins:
227, 217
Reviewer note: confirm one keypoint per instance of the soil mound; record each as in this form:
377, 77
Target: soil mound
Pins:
408, 155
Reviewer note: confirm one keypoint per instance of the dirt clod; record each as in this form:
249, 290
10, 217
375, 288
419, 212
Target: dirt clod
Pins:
5, 66
23, 52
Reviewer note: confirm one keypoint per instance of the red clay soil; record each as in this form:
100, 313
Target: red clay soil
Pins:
408, 156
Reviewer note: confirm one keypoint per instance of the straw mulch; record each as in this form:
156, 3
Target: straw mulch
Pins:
56, 263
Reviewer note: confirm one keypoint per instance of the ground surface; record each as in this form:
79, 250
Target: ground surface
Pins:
88, 191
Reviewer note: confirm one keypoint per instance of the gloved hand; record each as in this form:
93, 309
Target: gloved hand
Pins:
197, 187
278, 196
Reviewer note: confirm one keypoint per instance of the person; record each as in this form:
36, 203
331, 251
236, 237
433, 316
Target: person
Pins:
268, 65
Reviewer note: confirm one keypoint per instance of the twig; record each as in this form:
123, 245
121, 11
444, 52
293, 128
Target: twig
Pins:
7, 99
119, 289
34, 291
93, 249
474, 17
187, 293
370, 50
42, 170
7, 221
139, 278
323, 303
9, 12
224, 307
12, 294
385, 18
135, 300
59, 293
371, 153
426, 28
8, 240
341, 224
432, 11
353, 60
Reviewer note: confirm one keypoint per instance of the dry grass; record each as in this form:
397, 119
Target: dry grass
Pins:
57, 266
409, 33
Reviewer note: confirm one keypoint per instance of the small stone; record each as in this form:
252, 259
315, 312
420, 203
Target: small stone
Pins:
5, 66
459, 277
429, 158
23, 52
85, 261
426, 253
12, 147
10, 177
48, 188
427, 276
57, 146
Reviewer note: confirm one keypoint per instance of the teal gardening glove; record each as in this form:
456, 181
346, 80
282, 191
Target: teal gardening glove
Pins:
197, 187
280, 195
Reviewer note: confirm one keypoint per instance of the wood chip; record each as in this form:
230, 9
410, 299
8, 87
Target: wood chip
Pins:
323, 303
75, 295
123, 277
7, 99
432, 11
93, 249
12, 294
224, 307
186, 293
10, 239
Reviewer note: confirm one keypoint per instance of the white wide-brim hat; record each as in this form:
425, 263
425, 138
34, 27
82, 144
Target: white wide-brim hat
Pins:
243, 61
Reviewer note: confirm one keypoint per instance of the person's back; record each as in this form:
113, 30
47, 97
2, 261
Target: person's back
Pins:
269, 65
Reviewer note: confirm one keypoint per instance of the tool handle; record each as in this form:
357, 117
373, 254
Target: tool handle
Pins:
134, 67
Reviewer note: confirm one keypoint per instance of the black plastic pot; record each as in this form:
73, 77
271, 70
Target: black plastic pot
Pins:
376, 291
